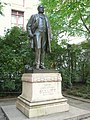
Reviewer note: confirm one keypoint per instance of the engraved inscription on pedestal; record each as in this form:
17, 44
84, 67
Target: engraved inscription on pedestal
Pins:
47, 89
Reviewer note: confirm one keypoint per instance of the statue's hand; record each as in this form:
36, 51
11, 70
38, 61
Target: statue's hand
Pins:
30, 34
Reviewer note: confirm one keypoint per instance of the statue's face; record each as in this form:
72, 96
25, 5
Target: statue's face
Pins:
41, 9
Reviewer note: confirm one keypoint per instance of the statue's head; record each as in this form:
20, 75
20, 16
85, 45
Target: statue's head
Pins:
41, 9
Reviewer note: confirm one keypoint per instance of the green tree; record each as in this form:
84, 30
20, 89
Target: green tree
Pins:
14, 55
70, 16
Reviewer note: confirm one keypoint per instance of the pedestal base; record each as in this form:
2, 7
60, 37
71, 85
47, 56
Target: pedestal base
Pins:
42, 108
41, 94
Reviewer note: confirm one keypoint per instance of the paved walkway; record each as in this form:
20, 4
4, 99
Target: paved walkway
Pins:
73, 102
5, 102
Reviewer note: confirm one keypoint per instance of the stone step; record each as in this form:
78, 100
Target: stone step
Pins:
12, 113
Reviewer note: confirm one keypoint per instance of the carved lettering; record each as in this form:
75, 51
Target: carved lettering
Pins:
47, 89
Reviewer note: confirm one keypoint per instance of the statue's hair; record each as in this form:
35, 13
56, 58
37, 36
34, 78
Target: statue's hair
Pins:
40, 6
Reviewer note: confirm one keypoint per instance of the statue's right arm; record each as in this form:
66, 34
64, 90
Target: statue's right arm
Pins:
29, 25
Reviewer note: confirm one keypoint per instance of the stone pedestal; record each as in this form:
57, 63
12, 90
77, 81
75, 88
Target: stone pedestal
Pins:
41, 94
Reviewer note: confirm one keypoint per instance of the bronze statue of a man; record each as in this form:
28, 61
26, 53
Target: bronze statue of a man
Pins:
39, 33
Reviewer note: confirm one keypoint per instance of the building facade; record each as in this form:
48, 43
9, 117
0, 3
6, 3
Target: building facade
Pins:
16, 13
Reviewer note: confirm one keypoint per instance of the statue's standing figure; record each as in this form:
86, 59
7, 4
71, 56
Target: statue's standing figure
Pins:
39, 33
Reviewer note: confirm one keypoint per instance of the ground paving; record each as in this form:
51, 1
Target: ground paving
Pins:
79, 104
74, 102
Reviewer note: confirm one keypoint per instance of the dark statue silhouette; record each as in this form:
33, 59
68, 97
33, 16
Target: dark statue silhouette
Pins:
39, 33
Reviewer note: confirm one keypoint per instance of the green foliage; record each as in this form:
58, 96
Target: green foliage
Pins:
14, 55
9, 85
14, 50
1, 7
79, 90
72, 61
70, 16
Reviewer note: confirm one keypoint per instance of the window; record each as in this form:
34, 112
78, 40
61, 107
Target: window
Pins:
17, 18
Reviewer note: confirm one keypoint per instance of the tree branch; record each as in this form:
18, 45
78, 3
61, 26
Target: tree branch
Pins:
84, 24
